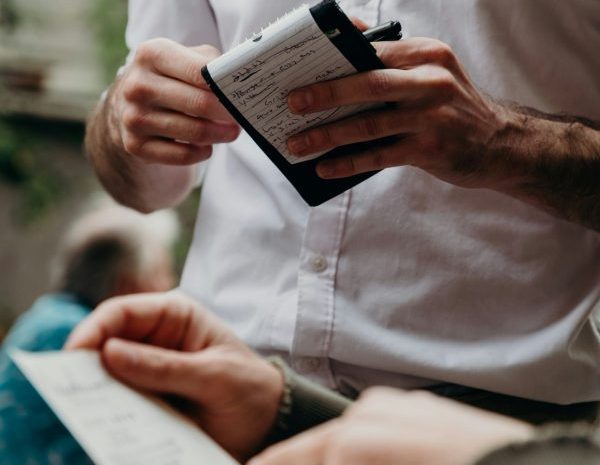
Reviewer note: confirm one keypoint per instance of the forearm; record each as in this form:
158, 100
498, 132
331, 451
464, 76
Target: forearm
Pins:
130, 180
550, 161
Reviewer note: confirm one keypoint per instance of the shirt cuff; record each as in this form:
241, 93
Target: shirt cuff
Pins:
304, 404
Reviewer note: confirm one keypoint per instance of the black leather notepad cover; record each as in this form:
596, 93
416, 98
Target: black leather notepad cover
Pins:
358, 51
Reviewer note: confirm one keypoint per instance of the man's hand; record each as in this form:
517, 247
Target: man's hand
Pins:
435, 119
162, 111
158, 118
167, 344
390, 427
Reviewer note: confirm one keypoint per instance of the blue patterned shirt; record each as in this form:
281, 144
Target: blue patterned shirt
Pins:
30, 432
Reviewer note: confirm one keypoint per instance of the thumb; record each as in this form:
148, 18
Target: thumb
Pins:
153, 368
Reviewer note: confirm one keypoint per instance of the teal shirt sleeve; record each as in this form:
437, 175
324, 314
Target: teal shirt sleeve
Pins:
30, 432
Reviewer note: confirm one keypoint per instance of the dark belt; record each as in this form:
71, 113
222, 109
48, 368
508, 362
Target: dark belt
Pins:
531, 411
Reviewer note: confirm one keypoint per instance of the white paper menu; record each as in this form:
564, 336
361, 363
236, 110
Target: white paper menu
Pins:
115, 424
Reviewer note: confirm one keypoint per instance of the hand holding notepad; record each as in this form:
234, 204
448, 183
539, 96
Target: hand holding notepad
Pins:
254, 79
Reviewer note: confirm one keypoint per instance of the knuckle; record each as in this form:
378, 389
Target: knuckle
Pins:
444, 83
368, 126
327, 94
198, 102
321, 137
442, 53
137, 90
192, 70
133, 144
133, 119
443, 116
379, 83
147, 52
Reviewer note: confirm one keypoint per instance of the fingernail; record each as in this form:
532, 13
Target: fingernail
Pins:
298, 144
229, 130
232, 133
300, 100
326, 170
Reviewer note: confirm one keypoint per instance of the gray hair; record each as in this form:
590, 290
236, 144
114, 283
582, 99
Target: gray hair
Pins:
108, 243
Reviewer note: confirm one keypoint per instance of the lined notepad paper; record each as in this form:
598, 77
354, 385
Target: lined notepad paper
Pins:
258, 75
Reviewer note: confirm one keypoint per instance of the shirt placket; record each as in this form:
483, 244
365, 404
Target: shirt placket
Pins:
316, 288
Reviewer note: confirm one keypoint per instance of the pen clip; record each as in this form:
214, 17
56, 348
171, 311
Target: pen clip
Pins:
391, 30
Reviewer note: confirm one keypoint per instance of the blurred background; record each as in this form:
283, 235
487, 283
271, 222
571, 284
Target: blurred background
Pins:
55, 60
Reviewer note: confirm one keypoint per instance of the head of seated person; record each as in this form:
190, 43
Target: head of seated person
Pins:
115, 251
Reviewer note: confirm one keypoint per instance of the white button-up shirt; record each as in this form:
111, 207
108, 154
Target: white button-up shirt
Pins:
406, 280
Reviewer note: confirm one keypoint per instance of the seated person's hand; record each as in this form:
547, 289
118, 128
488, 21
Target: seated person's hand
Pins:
168, 344
391, 427
434, 119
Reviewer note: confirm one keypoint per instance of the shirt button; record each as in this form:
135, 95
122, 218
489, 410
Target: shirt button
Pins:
310, 364
318, 263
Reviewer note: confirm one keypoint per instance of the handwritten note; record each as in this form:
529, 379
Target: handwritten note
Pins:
113, 423
258, 75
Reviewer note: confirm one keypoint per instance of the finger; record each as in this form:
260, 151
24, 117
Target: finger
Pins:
177, 61
131, 317
377, 158
359, 23
153, 368
165, 152
306, 448
180, 127
168, 335
424, 84
415, 51
363, 127
164, 92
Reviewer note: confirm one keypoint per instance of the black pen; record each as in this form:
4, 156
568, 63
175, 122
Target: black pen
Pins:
383, 32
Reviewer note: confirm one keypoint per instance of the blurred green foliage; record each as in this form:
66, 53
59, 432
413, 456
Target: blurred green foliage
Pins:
108, 20
22, 161
23, 166
9, 18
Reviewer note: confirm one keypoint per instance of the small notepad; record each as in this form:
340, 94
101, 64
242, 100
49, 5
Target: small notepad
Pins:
253, 81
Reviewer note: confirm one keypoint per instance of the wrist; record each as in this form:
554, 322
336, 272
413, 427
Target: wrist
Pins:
112, 165
303, 404
508, 156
